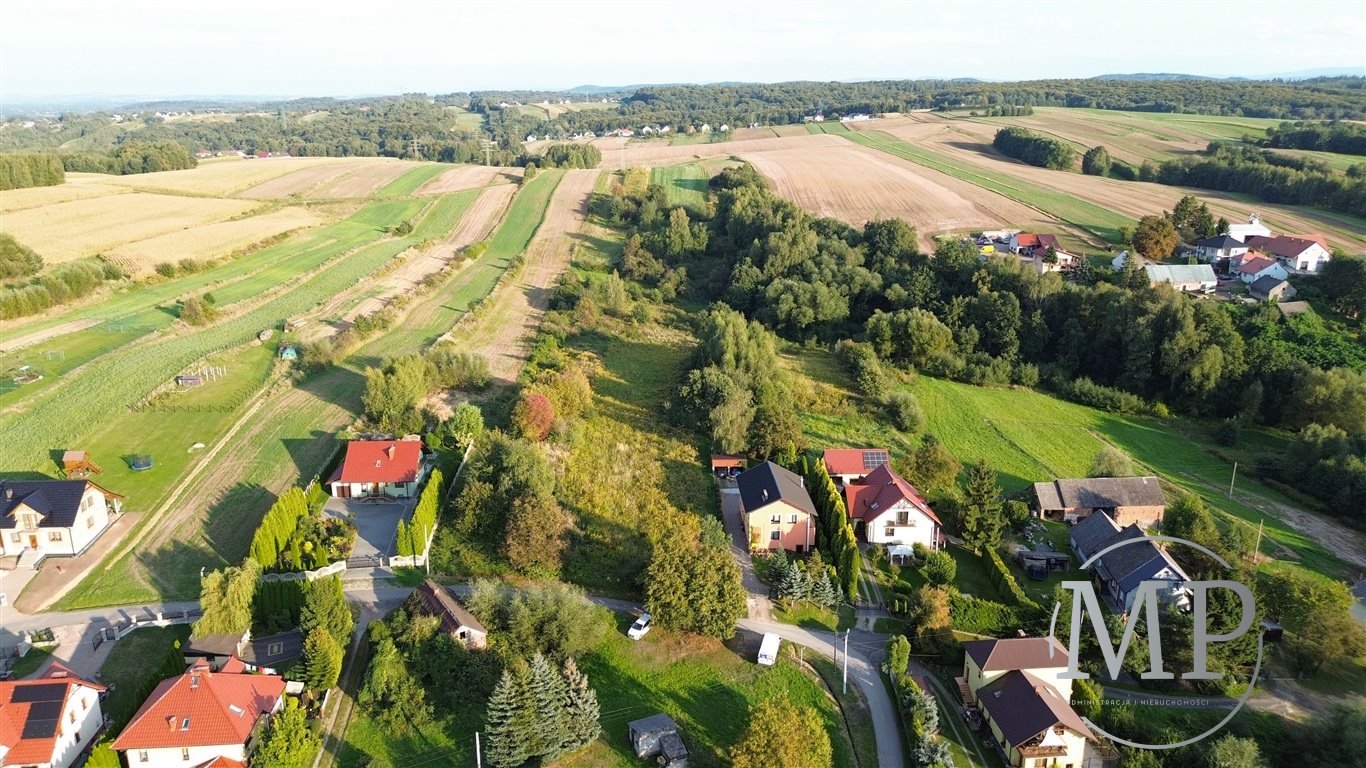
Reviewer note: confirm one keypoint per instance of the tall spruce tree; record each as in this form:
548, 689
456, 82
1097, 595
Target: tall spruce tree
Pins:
325, 606
982, 519
322, 661
550, 694
507, 722
581, 722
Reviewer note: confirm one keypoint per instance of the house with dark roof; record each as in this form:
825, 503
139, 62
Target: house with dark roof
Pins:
201, 716
891, 511
1220, 249
776, 509
1126, 499
43, 518
845, 465
1270, 288
1121, 571
457, 622
50, 721
1016, 683
380, 468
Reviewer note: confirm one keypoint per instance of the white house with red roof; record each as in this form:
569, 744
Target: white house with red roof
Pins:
1301, 254
845, 465
1252, 266
48, 722
201, 718
373, 468
892, 510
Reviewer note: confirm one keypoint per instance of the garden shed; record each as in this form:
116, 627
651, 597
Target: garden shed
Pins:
657, 735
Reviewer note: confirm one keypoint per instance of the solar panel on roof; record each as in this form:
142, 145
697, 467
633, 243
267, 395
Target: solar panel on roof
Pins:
44, 692
42, 719
874, 459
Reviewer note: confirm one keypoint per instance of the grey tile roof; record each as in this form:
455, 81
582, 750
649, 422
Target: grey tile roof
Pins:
58, 501
1264, 285
768, 483
1092, 532
1127, 565
1101, 493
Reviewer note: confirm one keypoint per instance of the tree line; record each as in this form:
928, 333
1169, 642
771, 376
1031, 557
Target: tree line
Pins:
63, 283
568, 156
1271, 176
1033, 148
18, 171
132, 157
1337, 136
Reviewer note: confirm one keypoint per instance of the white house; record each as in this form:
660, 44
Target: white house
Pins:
1253, 228
1215, 249
48, 722
1253, 266
1300, 254
201, 716
394, 468
847, 465
892, 510
39, 518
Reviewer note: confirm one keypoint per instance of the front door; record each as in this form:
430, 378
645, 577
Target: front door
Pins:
32, 541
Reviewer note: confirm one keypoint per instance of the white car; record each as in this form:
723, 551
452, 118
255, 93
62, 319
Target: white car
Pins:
639, 628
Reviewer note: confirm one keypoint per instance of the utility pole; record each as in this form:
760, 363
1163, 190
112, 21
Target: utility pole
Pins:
488, 151
478, 754
1231, 479
845, 688
1257, 550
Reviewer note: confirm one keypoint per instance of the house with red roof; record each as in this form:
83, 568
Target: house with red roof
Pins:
380, 468
892, 511
201, 718
845, 465
1253, 265
1300, 254
50, 721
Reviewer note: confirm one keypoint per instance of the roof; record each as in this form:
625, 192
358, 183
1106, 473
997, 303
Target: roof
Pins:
57, 501
1127, 565
1286, 246
1265, 284
1100, 492
214, 645
880, 491
222, 762
1023, 706
769, 483
31, 713
1254, 264
1221, 242
657, 723
438, 601
1180, 273
1292, 308
854, 461
1016, 653
381, 461
726, 461
202, 708
1092, 532
1048, 241
1026, 240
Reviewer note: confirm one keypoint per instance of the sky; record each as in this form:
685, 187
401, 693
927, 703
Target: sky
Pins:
160, 49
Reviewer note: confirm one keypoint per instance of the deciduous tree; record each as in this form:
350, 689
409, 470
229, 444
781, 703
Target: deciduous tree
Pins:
782, 735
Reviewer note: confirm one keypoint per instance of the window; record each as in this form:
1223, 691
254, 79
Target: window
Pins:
792, 519
890, 531
142, 756
14, 537
85, 702
78, 737
185, 753
185, 724
90, 522
54, 536
72, 716
775, 519
773, 536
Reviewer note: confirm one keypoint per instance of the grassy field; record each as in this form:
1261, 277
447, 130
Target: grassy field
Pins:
686, 184
817, 618
443, 215
407, 183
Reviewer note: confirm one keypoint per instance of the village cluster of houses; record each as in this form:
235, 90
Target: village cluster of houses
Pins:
627, 133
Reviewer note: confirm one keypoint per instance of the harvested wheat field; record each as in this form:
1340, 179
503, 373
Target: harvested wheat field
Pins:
366, 180
502, 333
789, 130
476, 224
78, 186
856, 184
299, 182
209, 241
747, 134
651, 154
467, 177
80, 228
218, 177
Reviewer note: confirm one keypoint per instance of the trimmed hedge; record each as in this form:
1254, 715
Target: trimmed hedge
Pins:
278, 526
1006, 583
412, 538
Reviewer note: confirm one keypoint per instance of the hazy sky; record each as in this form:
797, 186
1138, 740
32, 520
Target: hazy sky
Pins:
160, 48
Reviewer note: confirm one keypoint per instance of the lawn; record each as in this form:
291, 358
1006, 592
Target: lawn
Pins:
131, 664
809, 616
685, 185
30, 662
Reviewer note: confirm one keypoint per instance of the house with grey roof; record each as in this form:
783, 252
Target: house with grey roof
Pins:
1220, 249
44, 518
776, 509
1271, 288
1128, 500
1122, 570
1187, 278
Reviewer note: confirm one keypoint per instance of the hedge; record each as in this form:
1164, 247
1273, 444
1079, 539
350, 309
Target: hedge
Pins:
278, 526
982, 617
1005, 581
412, 538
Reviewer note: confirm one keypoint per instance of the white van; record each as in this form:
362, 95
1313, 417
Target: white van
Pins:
768, 650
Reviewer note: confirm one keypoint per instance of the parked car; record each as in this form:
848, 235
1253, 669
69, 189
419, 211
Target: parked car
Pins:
639, 628
768, 649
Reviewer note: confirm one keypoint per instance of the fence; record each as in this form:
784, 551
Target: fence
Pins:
330, 569
416, 561
125, 628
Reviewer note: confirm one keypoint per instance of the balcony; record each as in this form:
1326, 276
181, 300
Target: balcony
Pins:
1038, 751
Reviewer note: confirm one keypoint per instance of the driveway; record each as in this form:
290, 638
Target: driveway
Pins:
759, 605
376, 523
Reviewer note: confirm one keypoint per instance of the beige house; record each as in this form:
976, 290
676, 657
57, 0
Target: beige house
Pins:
776, 509
1127, 500
1015, 684
42, 518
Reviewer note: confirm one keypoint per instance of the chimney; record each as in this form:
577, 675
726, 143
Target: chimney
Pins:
170, 722
194, 680
765, 494
391, 450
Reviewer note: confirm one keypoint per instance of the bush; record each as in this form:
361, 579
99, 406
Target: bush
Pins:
940, 568
1087, 392
863, 364
1005, 581
1228, 432
16, 259
1027, 375
905, 412
982, 617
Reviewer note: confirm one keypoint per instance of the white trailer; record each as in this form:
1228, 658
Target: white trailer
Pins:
768, 649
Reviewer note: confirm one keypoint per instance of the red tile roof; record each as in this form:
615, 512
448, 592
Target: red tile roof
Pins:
381, 461
879, 491
222, 762
202, 709
1026, 240
1288, 246
28, 726
854, 461
1049, 241
1255, 264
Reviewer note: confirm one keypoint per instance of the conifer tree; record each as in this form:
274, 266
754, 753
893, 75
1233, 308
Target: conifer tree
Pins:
796, 584
823, 591
326, 607
506, 722
322, 661
581, 722
549, 693
982, 519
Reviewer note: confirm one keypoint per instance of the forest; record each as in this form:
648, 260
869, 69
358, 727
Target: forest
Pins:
1271, 176
1030, 147
18, 171
1107, 340
1347, 138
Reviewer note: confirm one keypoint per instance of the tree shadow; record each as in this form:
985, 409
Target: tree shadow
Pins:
237, 510
312, 455
173, 570
339, 385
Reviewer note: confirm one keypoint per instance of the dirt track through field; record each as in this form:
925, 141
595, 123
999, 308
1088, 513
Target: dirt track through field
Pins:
502, 334
856, 184
38, 337
653, 153
300, 182
467, 177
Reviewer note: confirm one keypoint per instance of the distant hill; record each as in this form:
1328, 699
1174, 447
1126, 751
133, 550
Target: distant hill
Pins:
1158, 76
